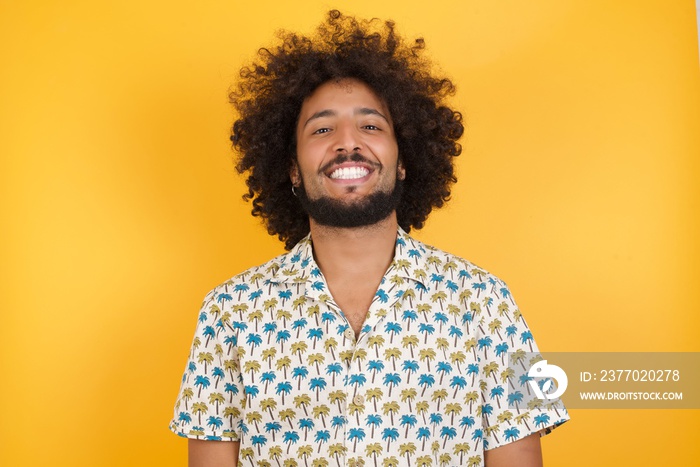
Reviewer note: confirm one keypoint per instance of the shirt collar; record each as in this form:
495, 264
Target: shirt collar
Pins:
299, 267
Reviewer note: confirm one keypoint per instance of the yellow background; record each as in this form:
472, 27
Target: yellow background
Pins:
121, 208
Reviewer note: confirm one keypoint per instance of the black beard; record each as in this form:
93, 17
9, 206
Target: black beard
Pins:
368, 211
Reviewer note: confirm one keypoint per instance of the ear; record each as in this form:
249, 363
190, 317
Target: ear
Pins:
294, 174
400, 171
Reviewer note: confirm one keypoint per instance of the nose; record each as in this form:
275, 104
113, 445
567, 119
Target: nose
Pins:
348, 139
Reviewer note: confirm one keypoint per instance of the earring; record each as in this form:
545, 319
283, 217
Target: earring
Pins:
294, 192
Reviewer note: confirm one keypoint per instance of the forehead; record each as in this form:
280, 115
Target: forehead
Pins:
338, 95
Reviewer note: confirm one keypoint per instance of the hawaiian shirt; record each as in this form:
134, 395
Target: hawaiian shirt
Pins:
275, 365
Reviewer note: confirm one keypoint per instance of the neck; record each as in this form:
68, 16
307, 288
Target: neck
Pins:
341, 250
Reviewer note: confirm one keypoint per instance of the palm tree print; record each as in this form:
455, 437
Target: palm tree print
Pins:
273, 365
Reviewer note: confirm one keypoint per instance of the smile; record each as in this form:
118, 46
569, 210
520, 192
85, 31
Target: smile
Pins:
349, 173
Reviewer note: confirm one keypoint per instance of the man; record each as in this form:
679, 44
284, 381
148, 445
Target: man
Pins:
360, 345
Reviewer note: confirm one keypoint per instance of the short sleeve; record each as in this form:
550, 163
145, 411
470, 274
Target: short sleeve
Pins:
211, 394
509, 411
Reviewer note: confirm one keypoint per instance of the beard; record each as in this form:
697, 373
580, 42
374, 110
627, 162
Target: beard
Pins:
366, 211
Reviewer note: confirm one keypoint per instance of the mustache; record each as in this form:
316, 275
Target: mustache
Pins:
352, 157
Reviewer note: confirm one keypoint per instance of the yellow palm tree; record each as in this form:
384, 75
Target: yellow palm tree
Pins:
408, 450
302, 400
427, 355
304, 452
422, 408
460, 450
374, 394
495, 326
439, 395
390, 408
390, 462
491, 369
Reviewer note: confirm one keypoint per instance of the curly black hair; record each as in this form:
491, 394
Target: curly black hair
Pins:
269, 95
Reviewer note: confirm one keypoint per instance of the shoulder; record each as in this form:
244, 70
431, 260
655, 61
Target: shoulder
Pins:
254, 278
435, 261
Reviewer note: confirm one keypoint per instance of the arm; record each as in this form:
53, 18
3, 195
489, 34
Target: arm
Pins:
202, 453
525, 452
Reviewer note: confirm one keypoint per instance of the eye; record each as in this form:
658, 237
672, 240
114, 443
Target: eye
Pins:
371, 127
321, 131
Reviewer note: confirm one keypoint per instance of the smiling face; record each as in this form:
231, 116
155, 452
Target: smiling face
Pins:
347, 156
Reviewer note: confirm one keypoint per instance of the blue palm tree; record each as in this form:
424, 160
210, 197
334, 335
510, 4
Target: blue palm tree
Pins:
514, 398
254, 296
458, 382
420, 288
306, 424
511, 434
185, 418
542, 419
437, 278
447, 432
382, 296
232, 389
467, 422
315, 334
273, 427
501, 351
373, 420
477, 436
526, 337
284, 295
456, 333
315, 272
215, 422
409, 421
300, 372
464, 275
224, 297
253, 340
192, 367
426, 329
410, 366
355, 435
298, 325
251, 392
473, 369
283, 388
240, 326
435, 419
389, 435
484, 343
203, 317
322, 436
423, 435
282, 337
217, 373
295, 258
451, 286
444, 368
326, 318
511, 331
441, 318
478, 286
267, 378
318, 286
334, 369
337, 422
258, 440
358, 379
393, 329
209, 332
409, 316
240, 288
413, 253
391, 380
375, 366
290, 437
202, 382
497, 393
269, 329
317, 384
426, 380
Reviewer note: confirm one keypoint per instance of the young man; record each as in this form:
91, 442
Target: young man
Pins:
360, 345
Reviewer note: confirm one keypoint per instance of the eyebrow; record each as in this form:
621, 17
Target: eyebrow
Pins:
358, 111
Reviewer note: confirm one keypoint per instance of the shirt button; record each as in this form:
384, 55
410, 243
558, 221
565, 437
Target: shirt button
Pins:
358, 400
349, 333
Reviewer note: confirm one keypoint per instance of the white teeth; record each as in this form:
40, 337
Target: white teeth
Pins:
349, 173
